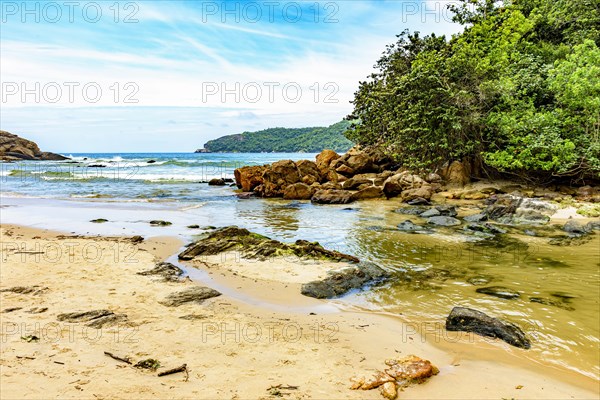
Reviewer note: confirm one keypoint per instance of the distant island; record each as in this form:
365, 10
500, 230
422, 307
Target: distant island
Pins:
283, 140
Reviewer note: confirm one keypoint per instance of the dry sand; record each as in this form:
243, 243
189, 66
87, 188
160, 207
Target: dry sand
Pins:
258, 334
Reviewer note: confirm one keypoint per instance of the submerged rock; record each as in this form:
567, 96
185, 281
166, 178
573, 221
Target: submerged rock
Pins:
575, 227
409, 226
432, 212
479, 280
338, 282
252, 245
476, 218
443, 221
500, 292
195, 294
416, 210
160, 223
554, 303
217, 182
99, 220
469, 320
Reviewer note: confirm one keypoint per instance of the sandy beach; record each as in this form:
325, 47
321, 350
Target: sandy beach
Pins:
260, 339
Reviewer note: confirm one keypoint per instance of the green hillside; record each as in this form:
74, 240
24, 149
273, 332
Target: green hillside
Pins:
284, 140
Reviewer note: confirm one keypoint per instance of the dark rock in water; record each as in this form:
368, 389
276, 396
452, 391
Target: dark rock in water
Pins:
245, 195
485, 228
409, 226
500, 292
419, 201
554, 303
575, 227
167, 270
411, 210
443, 221
564, 295
592, 226
193, 226
99, 220
476, 218
469, 320
339, 282
432, 212
96, 166
448, 211
479, 280
195, 294
217, 182
252, 245
570, 240
150, 161
160, 223
95, 319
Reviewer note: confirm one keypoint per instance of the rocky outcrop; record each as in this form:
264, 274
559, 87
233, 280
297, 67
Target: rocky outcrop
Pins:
469, 320
13, 148
253, 245
340, 281
456, 174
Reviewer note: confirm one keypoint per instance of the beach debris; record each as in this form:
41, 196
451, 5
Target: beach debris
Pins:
469, 320
171, 371
30, 338
340, 281
34, 290
150, 363
195, 294
11, 309
95, 319
400, 374
160, 223
37, 310
99, 220
168, 271
276, 390
126, 360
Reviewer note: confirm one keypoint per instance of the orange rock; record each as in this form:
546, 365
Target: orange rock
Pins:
411, 368
389, 390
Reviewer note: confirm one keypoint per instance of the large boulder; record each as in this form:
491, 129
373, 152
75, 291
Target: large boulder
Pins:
332, 197
371, 192
309, 172
424, 192
324, 160
298, 191
248, 178
359, 162
456, 174
395, 184
279, 176
469, 320
355, 182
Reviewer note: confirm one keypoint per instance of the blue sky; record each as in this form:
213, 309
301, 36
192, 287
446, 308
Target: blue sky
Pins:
111, 76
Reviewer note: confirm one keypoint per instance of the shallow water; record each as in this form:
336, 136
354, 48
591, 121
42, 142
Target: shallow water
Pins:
435, 272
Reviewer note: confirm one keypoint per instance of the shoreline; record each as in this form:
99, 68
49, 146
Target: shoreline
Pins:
234, 365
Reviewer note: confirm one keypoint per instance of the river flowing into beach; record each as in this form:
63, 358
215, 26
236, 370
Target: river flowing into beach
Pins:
129, 190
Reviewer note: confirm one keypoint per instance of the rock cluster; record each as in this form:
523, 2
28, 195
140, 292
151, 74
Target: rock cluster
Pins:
340, 179
14, 148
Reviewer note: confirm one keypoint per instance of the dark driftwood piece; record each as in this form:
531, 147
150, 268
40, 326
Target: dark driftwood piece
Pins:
125, 360
183, 368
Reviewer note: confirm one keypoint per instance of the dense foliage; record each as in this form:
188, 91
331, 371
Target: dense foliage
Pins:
518, 90
285, 140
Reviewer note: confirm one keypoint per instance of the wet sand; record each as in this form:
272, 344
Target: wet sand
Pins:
259, 334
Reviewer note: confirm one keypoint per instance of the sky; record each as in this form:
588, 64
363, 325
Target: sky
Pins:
167, 76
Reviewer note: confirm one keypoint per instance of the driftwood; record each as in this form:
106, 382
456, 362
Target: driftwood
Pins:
125, 360
183, 368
